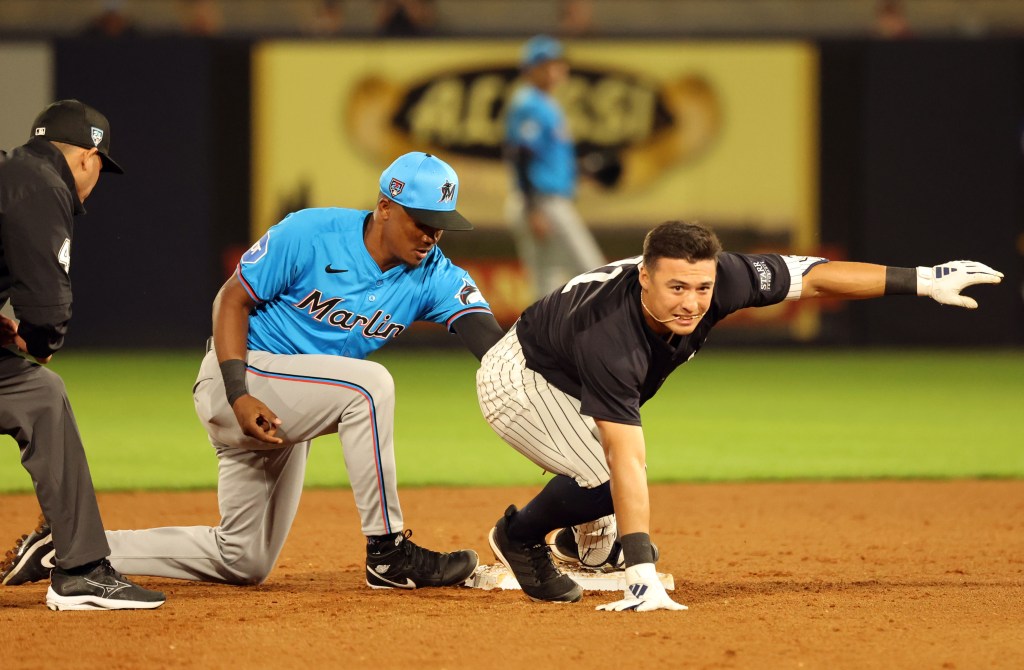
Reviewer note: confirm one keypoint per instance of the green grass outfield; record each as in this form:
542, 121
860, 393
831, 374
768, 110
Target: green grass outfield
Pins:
726, 415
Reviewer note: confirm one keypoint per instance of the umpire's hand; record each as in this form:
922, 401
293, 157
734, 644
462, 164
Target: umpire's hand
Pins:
256, 419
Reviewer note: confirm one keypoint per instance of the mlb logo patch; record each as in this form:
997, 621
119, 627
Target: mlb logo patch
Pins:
40, 131
257, 251
395, 187
97, 136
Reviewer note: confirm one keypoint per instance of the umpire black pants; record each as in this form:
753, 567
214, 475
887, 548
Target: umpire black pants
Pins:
35, 411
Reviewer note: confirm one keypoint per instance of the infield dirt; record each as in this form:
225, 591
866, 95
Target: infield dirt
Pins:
794, 575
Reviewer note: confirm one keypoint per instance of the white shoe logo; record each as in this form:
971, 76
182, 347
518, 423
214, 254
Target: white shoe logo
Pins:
381, 569
409, 584
109, 589
47, 560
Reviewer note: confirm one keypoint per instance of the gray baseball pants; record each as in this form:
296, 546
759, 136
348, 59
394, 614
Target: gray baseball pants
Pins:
568, 250
35, 411
259, 484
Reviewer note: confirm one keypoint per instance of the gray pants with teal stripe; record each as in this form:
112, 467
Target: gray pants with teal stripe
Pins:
259, 484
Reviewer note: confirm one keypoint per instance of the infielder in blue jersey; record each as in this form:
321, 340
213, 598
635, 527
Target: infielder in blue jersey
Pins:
292, 328
552, 240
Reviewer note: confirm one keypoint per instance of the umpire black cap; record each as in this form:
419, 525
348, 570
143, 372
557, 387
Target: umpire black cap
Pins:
74, 122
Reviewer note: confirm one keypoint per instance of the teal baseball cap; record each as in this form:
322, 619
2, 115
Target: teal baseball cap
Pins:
541, 49
427, 188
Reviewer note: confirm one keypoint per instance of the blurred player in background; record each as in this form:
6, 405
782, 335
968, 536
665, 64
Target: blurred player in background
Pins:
292, 328
553, 242
565, 385
43, 185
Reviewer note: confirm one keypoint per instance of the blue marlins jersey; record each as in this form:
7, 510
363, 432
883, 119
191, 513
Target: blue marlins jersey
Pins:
535, 121
318, 291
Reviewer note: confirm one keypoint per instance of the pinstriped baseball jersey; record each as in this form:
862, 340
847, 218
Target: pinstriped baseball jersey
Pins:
591, 342
319, 291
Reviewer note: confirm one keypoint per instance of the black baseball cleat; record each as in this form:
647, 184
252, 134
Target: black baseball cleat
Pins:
565, 549
102, 588
531, 564
31, 559
406, 565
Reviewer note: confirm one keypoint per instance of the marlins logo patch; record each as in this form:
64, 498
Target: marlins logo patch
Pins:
396, 187
97, 136
447, 191
469, 293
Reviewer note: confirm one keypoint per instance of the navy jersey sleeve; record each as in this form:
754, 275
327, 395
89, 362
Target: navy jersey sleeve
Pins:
751, 280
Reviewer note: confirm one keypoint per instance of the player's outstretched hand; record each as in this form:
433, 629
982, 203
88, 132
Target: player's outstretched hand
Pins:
943, 283
256, 419
644, 592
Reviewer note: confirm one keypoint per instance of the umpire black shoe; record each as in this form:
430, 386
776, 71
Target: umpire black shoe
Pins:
31, 559
531, 564
406, 565
102, 588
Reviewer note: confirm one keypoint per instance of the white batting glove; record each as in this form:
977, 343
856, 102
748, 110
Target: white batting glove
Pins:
644, 592
943, 283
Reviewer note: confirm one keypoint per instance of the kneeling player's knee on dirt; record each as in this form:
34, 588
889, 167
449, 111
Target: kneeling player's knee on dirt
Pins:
247, 563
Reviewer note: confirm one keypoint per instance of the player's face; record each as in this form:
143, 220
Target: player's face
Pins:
405, 240
677, 294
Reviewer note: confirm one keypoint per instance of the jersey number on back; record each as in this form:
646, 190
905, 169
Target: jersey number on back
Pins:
602, 274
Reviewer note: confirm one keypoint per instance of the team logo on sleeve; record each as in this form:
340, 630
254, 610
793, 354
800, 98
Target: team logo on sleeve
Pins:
257, 251
447, 191
395, 187
469, 293
764, 275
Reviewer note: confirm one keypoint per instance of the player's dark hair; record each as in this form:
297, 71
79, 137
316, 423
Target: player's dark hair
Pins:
678, 239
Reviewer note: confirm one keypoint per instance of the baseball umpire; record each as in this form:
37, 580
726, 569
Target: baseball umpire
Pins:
292, 327
42, 187
565, 385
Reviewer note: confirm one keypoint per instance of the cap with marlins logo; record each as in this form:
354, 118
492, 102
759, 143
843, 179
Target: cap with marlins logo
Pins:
74, 122
427, 188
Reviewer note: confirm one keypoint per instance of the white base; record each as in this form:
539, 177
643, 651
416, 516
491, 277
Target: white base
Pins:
497, 576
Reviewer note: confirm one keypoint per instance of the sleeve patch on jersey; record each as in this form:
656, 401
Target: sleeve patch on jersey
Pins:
257, 251
529, 131
764, 275
469, 294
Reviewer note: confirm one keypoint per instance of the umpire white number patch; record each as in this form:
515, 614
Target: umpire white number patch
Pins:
64, 255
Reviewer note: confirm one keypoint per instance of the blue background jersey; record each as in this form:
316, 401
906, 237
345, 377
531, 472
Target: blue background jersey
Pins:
318, 290
536, 122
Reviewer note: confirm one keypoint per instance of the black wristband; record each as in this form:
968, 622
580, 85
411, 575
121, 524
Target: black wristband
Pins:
900, 281
636, 548
233, 372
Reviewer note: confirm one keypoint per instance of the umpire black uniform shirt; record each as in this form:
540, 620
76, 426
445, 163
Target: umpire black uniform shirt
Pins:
38, 200
591, 341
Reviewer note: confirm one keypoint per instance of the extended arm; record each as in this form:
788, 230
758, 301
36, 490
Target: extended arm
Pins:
231, 310
626, 453
479, 331
853, 281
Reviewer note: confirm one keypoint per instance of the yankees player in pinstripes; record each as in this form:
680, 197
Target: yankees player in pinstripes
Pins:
291, 329
564, 386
